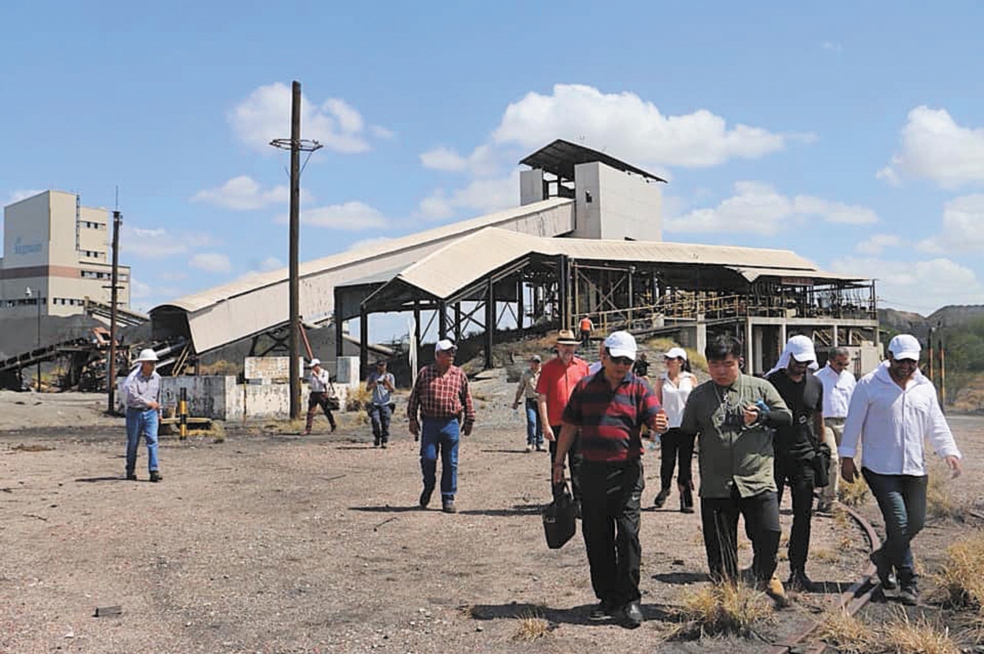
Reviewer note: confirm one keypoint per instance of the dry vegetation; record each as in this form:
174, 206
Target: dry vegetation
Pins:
901, 634
532, 627
854, 493
721, 610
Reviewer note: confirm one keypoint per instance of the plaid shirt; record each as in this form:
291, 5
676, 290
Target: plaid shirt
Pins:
441, 396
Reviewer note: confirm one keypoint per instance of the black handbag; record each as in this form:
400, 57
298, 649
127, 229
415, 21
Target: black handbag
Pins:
821, 465
559, 519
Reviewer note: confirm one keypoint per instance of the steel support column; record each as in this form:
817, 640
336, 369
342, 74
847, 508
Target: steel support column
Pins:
442, 320
363, 340
490, 322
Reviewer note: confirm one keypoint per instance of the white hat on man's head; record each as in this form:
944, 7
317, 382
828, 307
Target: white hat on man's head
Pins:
315, 362
146, 355
905, 346
801, 349
621, 344
444, 345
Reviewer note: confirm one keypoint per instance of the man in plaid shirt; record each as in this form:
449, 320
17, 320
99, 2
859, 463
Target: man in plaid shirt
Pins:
440, 395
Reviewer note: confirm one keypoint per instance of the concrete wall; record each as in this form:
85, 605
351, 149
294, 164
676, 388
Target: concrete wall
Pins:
611, 204
530, 187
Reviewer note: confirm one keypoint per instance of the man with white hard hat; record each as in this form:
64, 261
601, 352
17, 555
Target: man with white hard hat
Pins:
893, 411
142, 397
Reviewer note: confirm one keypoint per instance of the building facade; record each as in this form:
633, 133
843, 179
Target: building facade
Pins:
56, 256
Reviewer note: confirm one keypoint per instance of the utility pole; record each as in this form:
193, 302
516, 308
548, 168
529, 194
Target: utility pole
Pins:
296, 146
111, 371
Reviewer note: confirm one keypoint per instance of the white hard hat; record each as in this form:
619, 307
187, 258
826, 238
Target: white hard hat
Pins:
315, 362
146, 355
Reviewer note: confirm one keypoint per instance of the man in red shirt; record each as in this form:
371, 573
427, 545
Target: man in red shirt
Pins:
440, 395
558, 377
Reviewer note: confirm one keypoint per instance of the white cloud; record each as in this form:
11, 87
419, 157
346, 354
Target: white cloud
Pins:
139, 290
758, 208
381, 132
211, 262
22, 194
271, 263
243, 193
265, 115
482, 162
157, 243
481, 196
369, 242
963, 227
626, 126
935, 147
831, 46
921, 286
876, 244
351, 216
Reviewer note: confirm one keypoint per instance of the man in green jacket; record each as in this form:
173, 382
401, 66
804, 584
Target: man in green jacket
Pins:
732, 416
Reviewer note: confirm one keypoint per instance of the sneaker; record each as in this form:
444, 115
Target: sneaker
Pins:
883, 569
384, 445
660, 499
909, 593
604, 611
824, 506
775, 589
540, 448
130, 476
798, 580
529, 448
425, 497
631, 615
375, 442
448, 506
155, 476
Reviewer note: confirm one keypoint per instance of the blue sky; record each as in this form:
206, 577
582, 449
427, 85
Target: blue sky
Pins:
852, 133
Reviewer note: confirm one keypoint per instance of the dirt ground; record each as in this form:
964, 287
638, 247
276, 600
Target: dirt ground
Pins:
273, 542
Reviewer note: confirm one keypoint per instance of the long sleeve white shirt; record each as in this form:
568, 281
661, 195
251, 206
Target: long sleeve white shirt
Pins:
892, 423
319, 381
837, 390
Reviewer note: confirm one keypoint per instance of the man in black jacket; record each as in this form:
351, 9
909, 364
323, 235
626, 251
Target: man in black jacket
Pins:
796, 446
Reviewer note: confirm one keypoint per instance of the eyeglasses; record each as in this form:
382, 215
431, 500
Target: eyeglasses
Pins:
622, 361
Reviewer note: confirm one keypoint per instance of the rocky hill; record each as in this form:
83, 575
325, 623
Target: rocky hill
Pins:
953, 316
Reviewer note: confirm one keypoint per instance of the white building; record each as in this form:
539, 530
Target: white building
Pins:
59, 250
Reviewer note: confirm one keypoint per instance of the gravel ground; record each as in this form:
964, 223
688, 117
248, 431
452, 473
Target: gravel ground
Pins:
272, 542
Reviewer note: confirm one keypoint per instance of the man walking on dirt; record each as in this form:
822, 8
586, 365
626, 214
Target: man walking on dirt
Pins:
322, 395
526, 391
142, 396
732, 415
380, 385
440, 398
558, 377
838, 385
893, 411
797, 446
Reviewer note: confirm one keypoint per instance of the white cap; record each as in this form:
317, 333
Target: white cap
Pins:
801, 349
905, 346
146, 355
444, 345
621, 344
315, 362
676, 353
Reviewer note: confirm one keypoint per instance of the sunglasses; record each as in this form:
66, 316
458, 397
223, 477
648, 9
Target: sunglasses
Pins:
622, 361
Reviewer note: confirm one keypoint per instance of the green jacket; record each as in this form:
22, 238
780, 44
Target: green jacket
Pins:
732, 454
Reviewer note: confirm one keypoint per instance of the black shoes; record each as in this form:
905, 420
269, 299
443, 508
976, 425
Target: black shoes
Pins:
604, 611
884, 569
131, 476
155, 476
425, 497
798, 580
686, 501
909, 593
448, 506
630, 616
660, 499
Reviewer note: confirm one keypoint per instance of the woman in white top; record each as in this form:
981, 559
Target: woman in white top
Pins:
672, 391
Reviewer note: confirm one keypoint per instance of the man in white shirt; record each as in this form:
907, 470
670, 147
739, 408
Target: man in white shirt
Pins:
322, 395
838, 385
892, 411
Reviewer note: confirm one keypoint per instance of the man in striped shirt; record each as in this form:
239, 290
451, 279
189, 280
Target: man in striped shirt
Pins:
610, 408
440, 395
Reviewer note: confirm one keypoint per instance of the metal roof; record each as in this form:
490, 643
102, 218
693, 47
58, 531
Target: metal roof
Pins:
460, 264
561, 156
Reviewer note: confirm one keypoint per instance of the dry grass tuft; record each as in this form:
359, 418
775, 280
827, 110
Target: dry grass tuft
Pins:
824, 554
853, 493
847, 633
919, 636
960, 580
722, 610
357, 399
532, 627
940, 500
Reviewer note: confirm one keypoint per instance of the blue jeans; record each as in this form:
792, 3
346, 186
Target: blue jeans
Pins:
379, 415
141, 422
439, 436
902, 500
534, 430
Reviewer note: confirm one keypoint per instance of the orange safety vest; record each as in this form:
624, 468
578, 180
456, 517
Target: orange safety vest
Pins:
586, 324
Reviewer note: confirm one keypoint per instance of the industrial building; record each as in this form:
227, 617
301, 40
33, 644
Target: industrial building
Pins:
59, 250
586, 239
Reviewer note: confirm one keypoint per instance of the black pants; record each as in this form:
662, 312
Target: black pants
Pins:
719, 517
610, 523
573, 462
675, 446
316, 400
799, 476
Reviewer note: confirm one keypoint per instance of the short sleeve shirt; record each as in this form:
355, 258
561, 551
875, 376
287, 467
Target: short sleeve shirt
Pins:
557, 382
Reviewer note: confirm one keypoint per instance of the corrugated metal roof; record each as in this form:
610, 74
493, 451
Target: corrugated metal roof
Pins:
461, 263
753, 273
561, 156
250, 283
